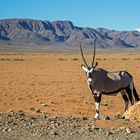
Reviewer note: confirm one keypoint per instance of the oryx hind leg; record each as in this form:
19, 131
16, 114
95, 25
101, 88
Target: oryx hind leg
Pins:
129, 91
124, 96
135, 94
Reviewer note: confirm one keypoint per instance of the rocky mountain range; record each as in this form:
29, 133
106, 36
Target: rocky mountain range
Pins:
43, 33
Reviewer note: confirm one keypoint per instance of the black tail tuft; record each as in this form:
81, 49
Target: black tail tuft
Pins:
135, 94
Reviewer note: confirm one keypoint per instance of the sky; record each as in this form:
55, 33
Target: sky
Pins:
110, 14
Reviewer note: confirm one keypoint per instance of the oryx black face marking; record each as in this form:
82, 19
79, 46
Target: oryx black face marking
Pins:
101, 82
89, 74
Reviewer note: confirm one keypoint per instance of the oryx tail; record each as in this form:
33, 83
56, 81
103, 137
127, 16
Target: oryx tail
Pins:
135, 94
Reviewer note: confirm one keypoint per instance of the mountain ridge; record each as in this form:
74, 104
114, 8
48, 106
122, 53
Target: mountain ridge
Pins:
29, 32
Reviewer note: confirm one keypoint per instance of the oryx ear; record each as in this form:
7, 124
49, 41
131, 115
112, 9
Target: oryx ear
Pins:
95, 65
84, 68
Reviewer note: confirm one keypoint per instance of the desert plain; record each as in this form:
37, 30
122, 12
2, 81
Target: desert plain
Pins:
54, 83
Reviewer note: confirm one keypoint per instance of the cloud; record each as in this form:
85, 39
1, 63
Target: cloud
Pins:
137, 29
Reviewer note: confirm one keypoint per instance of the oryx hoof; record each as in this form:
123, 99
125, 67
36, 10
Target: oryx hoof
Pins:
96, 117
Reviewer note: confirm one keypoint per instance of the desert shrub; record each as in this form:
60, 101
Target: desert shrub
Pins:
62, 59
136, 58
125, 58
74, 59
5, 59
18, 59
98, 59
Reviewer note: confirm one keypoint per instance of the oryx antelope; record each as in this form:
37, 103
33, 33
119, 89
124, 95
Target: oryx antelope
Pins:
101, 82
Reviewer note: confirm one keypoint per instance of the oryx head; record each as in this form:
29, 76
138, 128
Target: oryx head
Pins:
89, 69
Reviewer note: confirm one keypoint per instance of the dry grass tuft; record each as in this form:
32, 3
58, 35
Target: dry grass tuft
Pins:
74, 59
62, 59
125, 58
18, 59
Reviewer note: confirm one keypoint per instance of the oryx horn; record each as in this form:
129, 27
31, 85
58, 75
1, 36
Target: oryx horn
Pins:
83, 55
94, 52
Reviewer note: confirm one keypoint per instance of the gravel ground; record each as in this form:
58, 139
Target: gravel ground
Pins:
18, 126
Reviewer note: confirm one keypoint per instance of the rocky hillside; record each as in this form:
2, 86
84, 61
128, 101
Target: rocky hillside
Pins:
27, 32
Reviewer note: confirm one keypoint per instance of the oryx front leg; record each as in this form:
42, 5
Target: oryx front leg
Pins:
97, 97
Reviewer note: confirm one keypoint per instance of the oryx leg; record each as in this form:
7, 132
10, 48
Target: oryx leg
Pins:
124, 96
97, 98
133, 90
129, 93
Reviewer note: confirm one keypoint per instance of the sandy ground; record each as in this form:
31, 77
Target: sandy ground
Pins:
54, 83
